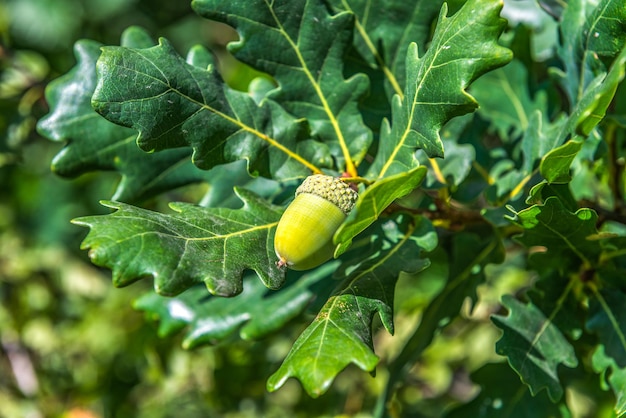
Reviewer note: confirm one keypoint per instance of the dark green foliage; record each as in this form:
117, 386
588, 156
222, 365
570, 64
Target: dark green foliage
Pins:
487, 182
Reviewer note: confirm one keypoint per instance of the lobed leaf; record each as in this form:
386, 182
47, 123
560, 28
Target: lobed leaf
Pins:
505, 100
174, 104
255, 313
193, 245
341, 333
465, 271
384, 30
591, 108
534, 346
614, 375
589, 32
559, 230
502, 395
463, 48
302, 46
93, 143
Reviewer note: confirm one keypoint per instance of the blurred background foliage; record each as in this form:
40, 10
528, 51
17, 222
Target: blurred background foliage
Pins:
71, 345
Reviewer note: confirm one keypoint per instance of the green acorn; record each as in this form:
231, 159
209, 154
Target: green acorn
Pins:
304, 236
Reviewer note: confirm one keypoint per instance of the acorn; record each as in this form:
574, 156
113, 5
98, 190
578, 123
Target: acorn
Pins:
304, 235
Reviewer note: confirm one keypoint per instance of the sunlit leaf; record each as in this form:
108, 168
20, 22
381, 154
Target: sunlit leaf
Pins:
464, 46
301, 45
174, 104
373, 201
193, 245
614, 375
341, 333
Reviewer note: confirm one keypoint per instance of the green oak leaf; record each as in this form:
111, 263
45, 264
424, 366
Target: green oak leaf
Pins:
372, 202
559, 230
540, 138
255, 313
595, 99
505, 100
174, 104
543, 190
223, 180
555, 165
93, 143
341, 333
589, 32
464, 47
302, 46
191, 246
384, 30
607, 319
534, 346
503, 395
614, 375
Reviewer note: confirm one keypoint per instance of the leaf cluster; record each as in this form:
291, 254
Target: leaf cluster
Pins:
467, 150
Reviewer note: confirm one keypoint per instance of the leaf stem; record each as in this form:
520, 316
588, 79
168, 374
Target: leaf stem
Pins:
438, 174
517, 189
483, 172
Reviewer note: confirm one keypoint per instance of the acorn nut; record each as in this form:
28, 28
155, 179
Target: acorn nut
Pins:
304, 236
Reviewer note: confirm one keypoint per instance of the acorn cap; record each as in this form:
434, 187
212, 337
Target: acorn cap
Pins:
330, 188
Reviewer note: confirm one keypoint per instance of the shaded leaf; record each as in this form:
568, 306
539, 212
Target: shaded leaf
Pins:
503, 395
607, 319
505, 100
562, 232
540, 192
463, 48
302, 46
465, 273
453, 169
540, 138
341, 333
384, 30
255, 313
589, 31
194, 245
547, 295
534, 346
174, 104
